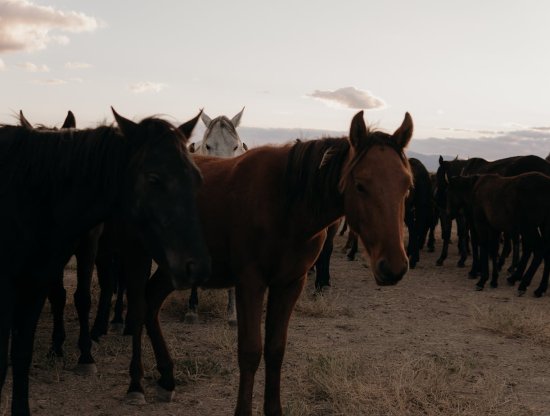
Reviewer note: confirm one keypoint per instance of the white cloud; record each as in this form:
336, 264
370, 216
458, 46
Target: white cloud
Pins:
51, 81
350, 97
2, 65
146, 86
77, 65
26, 26
30, 67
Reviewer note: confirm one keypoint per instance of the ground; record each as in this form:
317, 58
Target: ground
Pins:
429, 346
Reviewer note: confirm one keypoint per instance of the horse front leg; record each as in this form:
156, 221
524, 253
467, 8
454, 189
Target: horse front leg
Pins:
446, 228
27, 311
231, 307
250, 295
85, 257
192, 314
462, 229
158, 289
280, 304
57, 295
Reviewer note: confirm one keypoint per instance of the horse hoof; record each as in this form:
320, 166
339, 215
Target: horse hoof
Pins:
439, 263
191, 318
460, 264
478, 288
135, 398
472, 275
164, 395
494, 285
511, 282
86, 369
521, 292
538, 293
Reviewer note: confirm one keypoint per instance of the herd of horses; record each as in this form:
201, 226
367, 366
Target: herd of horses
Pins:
122, 197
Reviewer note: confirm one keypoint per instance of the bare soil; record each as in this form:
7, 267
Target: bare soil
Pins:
429, 346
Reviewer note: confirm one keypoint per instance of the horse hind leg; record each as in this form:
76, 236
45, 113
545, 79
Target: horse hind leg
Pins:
57, 296
231, 307
543, 286
280, 304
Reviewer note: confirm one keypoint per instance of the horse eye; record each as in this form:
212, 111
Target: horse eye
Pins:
153, 178
360, 188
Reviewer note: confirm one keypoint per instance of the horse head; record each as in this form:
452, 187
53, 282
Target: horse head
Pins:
375, 184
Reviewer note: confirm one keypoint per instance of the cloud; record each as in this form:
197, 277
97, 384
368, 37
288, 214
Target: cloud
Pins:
77, 65
146, 86
350, 97
30, 67
51, 81
26, 26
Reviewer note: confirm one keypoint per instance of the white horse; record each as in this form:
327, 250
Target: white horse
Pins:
222, 140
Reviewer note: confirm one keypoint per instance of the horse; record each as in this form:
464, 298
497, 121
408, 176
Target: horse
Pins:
448, 169
264, 215
515, 205
56, 185
418, 210
222, 140
510, 166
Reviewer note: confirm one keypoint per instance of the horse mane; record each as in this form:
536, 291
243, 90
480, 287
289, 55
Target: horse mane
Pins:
46, 161
317, 169
225, 122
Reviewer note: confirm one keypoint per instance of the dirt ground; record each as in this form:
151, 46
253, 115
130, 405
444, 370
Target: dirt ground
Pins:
429, 346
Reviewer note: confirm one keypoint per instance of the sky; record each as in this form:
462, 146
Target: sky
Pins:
473, 75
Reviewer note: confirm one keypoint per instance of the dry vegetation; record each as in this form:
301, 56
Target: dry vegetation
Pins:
429, 346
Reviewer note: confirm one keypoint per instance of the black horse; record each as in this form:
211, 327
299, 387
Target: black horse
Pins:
56, 185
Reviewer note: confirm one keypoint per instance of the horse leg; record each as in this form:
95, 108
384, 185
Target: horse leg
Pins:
446, 228
280, 303
250, 296
515, 254
344, 228
158, 289
27, 311
506, 250
527, 249
231, 307
484, 241
462, 228
354, 246
118, 319
431, 236
6, 322
474, 270
57, 296
322, 265
137, 265
493, 255
105, 279
192, 316
543, 286
85, 256
535, 263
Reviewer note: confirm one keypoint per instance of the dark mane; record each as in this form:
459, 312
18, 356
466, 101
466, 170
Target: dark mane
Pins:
225, 122
45, 160
316, 168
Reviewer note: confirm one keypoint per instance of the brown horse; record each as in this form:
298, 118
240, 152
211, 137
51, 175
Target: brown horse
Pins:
264, 215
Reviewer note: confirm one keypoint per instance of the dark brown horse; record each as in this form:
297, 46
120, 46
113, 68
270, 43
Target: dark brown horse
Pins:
265, 214
56, 185
514, 205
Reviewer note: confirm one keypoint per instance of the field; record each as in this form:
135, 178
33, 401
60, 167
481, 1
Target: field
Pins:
428, 346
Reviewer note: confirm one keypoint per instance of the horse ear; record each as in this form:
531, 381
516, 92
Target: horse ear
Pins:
440, 160
236, 120
23, 121
191, 147
187, 128
70, 121
127, 127
404, 133
245, 147
358, 130
205, 119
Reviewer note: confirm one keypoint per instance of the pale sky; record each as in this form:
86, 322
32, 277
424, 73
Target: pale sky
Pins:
463, 69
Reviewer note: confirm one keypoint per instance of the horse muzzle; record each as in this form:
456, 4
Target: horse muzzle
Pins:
386, 275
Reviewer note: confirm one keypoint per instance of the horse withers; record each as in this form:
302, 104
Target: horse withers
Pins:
56, 185
264, 215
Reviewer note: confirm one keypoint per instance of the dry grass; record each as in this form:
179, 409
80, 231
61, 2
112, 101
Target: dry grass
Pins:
348, 384
528, 322
325, 305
